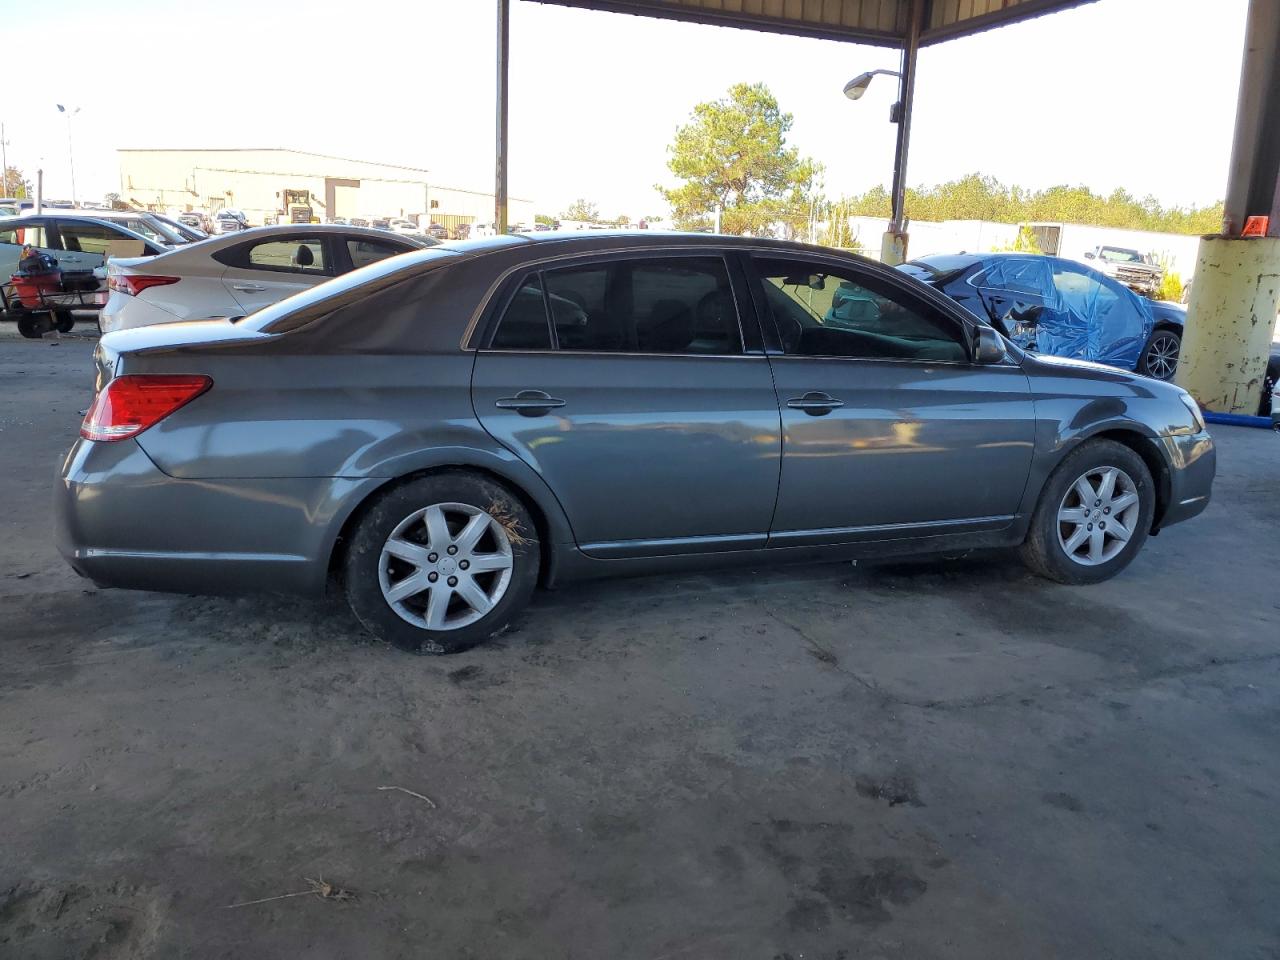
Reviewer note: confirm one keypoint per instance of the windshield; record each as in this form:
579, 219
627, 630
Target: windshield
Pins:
1120, 255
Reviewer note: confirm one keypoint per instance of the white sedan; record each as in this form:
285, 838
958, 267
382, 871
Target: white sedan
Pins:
235, 274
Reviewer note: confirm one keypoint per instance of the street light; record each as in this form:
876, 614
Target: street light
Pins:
856, 87
893, 246
70, 153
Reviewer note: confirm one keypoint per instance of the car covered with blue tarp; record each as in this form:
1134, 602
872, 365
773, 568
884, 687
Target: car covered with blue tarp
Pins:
1060, 307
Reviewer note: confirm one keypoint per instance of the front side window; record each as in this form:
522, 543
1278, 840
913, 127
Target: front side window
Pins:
290, 256
365, 252
821, 311
667, 305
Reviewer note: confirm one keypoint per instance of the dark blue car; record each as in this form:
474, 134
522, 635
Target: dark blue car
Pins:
1060, 307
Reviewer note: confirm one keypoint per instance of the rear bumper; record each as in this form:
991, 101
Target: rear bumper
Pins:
121, 522
1193, 462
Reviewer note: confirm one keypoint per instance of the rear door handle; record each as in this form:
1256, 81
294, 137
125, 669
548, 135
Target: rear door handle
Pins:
248, 287
815, 404
530, 403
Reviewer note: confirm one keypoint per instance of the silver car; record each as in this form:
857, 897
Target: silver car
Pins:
444, 430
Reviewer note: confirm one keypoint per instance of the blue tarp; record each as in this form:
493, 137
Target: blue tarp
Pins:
1067, 310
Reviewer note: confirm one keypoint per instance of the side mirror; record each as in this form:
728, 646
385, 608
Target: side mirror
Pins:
988, 347
1089, 255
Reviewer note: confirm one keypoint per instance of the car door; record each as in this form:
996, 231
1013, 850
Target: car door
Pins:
888, 429
85, 246
1094, 318
1013, 291
265, 270
638, 403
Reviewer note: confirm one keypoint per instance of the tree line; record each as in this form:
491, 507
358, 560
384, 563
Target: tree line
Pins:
733, 155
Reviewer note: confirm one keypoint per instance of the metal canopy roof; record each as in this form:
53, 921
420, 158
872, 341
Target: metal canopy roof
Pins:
880, 22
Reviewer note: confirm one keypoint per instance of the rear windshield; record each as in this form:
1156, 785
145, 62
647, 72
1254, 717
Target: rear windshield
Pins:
314, 302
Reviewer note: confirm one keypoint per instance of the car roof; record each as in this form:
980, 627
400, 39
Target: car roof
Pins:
223, 240
27, 218
586, 241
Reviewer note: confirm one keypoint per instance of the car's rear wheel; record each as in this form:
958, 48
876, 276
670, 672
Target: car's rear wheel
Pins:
1160, 356
441, 563
1093, 516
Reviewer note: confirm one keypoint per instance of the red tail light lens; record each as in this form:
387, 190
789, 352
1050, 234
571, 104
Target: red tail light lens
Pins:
133, 283
130, 404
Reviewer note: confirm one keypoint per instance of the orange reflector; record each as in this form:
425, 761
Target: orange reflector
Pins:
1255, 226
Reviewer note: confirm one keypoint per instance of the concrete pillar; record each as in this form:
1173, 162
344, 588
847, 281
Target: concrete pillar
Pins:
1230, 320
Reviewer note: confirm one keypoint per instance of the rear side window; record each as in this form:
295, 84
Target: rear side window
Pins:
291, 256
670, 305
365, 252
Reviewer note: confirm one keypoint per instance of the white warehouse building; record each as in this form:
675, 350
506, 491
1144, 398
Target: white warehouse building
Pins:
264, 182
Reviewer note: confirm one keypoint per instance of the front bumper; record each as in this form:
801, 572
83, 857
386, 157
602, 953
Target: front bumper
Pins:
1193, 462
121, 522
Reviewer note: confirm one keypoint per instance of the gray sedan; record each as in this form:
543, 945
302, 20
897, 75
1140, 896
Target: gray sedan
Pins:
444, 430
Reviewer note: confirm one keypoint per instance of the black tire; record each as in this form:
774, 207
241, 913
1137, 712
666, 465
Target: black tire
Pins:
64, 321
364, 572
1159, 357
33, 326
1044, 550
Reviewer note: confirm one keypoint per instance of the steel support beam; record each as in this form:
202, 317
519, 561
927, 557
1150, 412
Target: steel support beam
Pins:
500, 152
893, 247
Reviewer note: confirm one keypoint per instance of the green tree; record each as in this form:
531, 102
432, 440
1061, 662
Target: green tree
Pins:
733, 154
544, 219
583, 210
15, 184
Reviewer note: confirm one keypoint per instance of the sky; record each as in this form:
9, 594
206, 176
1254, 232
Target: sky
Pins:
1138, 94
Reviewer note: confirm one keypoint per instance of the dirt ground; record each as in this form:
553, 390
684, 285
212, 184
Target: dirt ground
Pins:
943, 759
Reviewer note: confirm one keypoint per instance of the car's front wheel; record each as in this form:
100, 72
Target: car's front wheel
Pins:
1093, 516
1160, 356
441, 563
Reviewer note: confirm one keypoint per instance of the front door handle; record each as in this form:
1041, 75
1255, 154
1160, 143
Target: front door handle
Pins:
529, 403
248, 287
815, 404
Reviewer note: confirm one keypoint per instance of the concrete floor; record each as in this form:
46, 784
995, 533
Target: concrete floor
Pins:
938, 759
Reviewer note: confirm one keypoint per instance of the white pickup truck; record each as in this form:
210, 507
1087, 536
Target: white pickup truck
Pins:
1129, 267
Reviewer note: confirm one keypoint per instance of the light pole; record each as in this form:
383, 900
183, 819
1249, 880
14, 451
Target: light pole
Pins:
893, 248
4, 163
70, 152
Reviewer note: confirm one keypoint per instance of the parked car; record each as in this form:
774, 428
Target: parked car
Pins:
1060, 307
80, 246
400, 225
149, 225
193, 234
228, 220
1129, 267
197, 220
238, 273
446, 429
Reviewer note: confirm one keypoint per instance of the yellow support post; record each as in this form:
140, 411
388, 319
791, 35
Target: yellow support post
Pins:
1230, 322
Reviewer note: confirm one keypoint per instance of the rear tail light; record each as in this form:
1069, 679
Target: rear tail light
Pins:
134, 283
130, 404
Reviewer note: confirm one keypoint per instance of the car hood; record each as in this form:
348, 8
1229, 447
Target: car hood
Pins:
1045, 367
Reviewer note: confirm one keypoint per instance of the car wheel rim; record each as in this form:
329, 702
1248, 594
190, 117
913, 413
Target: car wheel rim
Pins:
1098, 516
445, 566
1162, 357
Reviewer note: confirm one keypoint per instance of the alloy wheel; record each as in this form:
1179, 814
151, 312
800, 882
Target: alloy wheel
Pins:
445, 566
1162, 356
1098, 515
